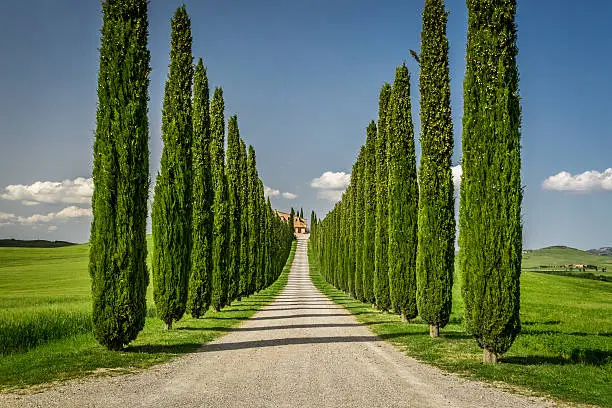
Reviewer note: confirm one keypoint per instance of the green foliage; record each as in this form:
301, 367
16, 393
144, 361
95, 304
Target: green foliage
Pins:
292, 220
436, 252
202, 216
403, 198
490, 234
253, 231
358, 176
220, 250
369, 199
381, 243
243, 195
171, 211
234, 208
117, 260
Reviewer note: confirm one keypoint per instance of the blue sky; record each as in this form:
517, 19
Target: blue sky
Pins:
303, 78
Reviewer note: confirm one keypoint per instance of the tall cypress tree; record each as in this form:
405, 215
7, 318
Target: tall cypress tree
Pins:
234, 211
436, 254
381, 270
171, 212
117, 257
244, 217
359, 224
292, 220
490, 232
253, 223
220, 202
202, 219
403, 198
259, 277
369, 199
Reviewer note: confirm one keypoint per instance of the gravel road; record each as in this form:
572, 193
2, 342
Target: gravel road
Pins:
300, 351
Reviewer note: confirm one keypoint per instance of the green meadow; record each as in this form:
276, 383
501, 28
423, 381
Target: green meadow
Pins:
45, 321
564, 350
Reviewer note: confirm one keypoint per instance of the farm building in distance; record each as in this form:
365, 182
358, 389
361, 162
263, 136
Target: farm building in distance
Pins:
300, 225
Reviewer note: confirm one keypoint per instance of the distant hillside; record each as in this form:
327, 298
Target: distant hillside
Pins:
605, 251
561, 255
37, 243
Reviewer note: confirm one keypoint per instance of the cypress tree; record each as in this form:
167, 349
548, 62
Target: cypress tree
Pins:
202, 217
369, 199
259, 277
490, 232
403, 198
220, 203
381, 269
359, 224
244, 218
292, 220
171, 212
117, 257
234, 211
436, 254
253, 230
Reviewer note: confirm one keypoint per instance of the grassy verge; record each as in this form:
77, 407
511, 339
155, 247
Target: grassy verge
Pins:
564, 350
78, 354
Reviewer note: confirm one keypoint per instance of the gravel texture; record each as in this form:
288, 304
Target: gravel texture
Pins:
300, 351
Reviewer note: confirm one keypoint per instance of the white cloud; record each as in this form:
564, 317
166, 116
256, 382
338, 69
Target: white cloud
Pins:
330, 195
6, 218
289, 196
52, 228
77, 191
64, 214
332, 180
587, 182
270, 192
457, 172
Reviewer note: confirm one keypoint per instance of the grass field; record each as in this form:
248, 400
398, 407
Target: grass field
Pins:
564, 350
45, 321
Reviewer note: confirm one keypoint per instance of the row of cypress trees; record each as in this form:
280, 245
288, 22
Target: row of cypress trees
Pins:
215, 237
390, 241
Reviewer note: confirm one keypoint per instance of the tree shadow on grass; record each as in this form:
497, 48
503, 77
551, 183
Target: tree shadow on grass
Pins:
530, 332
546, 322
164, 348
577, 356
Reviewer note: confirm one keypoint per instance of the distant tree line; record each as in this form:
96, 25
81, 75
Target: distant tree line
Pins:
390, 240
215, 237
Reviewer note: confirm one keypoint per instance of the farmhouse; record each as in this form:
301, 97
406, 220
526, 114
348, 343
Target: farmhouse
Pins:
299, 224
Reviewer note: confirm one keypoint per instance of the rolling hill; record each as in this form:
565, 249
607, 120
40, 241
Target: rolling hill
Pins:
561, 255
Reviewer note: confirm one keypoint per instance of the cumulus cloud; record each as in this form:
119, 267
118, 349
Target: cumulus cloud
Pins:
457, 172
289, 196
270, 192
588, 182
330, 195
331, 185
64, 214
77, 191
52, 228
332, 180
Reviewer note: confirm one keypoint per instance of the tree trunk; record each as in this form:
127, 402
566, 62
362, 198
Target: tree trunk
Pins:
168, 324
404, 318
489, 357
434, 330
373, 306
